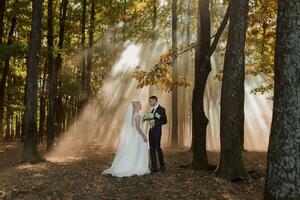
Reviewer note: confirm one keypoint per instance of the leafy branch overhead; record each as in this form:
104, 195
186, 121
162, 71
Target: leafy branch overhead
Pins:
161, 74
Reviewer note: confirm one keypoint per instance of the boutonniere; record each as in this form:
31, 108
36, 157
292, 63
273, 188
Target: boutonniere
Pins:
157, 115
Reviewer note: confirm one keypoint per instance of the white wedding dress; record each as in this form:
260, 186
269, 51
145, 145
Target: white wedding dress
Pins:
132, 155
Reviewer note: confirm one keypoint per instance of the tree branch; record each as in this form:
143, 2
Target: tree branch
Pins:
214, 44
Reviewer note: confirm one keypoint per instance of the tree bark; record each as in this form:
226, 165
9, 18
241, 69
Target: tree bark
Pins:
154, 35
91, 50
51, 79
124, 20
232, 96
202, 70
42, 106
83, 59
30, 152
2, 11
58, 63
154, 19
5, 72
283, 168
174, 138
183, 97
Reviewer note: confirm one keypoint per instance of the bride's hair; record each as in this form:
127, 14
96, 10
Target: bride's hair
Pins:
134, 106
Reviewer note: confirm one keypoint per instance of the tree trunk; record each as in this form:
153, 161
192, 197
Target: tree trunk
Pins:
5, 72
91, 50
232, 97
202, 70
2, 11
283, 168
83, 63
51, 79
18, 127
42, 106
154, 36
58, 62
183, 97
8, 120
30, 152
124, 20
174, 139
154, 19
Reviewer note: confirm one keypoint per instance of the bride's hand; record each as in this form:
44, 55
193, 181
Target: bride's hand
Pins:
145, 139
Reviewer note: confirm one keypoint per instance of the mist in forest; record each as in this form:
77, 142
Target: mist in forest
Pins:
100, 122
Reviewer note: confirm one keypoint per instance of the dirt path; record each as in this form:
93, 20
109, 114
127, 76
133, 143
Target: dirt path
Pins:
81, 178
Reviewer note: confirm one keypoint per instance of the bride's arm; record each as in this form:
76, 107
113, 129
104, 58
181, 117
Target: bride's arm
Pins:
138, 127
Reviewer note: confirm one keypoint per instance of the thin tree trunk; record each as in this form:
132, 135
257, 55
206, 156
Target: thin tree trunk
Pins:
91, 50
42, 107
174, 138
5, 72
232, 97
30, 152
83, 59
8, 120
283, 168
58, 63
186, 66
18, 127
51, 79
124, 20
202, 70
2, 11
154, 35
154, 19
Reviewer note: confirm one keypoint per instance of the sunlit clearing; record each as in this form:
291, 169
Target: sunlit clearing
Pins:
98, 126
129, 59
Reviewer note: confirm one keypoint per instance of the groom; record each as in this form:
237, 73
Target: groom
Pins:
160, 119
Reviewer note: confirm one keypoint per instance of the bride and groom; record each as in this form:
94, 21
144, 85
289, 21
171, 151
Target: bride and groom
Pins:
132, 155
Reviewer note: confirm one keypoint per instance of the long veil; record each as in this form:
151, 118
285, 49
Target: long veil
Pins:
132, 155
126, 133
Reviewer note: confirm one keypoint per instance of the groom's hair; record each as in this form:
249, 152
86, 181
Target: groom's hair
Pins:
153, 97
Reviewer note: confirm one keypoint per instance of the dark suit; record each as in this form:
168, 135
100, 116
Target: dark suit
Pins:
155, 137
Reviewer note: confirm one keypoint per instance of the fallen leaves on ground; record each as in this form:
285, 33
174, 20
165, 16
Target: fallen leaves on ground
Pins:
82, 179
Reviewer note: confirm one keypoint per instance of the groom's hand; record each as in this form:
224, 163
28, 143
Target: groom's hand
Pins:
152, 123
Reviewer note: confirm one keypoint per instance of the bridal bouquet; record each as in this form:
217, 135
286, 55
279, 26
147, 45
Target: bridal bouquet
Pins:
148, 116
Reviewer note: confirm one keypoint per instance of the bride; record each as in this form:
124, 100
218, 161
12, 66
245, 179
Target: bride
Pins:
132, 155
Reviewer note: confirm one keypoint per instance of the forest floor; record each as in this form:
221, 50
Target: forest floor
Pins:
81, 178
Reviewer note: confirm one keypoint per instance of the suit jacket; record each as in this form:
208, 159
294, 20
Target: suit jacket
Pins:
159, 121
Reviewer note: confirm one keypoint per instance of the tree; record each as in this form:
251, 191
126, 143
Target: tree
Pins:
51, 79
83, 63
42, 104
90, 51
232, 96
2, 11
6, 69
30, 152
283, 177
154, 34
174, 139
58, 64
202, 70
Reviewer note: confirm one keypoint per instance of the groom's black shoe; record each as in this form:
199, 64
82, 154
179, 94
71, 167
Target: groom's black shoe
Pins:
154, 170
162, 169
